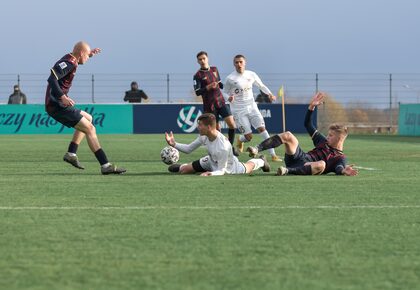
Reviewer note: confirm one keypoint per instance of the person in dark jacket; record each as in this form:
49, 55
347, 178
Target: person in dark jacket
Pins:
17, 98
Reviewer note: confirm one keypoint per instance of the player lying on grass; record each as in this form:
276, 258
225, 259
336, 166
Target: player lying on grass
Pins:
220, 159
61, 107
326, 157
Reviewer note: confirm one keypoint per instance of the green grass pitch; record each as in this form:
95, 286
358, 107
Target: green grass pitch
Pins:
64, 228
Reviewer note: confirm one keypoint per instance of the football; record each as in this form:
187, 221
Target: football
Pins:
169, 155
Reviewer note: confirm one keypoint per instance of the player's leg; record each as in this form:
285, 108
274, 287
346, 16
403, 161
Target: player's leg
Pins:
71, 155
201, 165
257, 163
257, 121
309, 168
226, 114
289, 140
244, 127
86, 126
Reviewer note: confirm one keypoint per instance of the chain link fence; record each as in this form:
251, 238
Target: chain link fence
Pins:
365, 102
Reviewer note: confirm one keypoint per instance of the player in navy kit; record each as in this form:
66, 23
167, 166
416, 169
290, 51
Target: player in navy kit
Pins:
326, 157
208, 85
61, 107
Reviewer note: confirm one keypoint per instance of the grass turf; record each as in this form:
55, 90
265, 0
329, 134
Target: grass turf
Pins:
64, 228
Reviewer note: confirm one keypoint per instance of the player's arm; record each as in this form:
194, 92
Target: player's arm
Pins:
94, 51
262, 87
341, 168
199, 90
185, 148
316, 136
219, 81
59, 71
228, 91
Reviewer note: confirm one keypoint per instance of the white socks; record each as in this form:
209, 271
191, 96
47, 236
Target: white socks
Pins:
258, 163
243, 139
264, 135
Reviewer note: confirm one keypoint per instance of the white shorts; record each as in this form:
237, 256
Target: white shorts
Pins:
247, 117
236, 167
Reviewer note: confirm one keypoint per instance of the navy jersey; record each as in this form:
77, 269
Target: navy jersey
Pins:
212, 99
60, 80
335, 159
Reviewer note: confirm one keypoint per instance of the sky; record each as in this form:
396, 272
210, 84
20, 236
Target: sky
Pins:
163, 36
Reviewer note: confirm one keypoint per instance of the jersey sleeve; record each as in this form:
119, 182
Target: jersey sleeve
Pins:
260, 85
317, 137
61, 69
218, 78
199, 90
340, 165
188, 148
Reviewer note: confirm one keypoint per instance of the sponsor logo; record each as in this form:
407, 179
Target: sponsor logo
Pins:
187, 118
39, 122
63, 65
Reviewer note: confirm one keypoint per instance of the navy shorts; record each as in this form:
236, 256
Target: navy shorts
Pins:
297, 159
223, 112
68, 116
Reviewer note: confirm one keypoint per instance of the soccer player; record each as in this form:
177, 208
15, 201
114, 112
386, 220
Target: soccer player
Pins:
326, 157
220, 159
238, 87
61, 107
208, 85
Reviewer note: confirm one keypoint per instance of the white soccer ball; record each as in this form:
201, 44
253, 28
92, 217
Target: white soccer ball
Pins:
169, 155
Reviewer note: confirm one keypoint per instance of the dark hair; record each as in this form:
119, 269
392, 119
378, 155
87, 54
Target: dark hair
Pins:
134, 83
202, 53
208, 119
239, 56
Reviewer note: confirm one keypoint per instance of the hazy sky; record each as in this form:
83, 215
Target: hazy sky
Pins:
163, 36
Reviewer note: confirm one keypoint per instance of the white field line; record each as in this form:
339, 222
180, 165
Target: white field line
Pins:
93, 208
365, 168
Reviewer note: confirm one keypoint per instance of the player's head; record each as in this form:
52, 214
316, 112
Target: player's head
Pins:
336, 134
81, 51
239, 61
206, 123
203, 59
134, 86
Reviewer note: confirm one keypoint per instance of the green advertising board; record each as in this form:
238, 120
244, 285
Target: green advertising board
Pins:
32, 119
409, 120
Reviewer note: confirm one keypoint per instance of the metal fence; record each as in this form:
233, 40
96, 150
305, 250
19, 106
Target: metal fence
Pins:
365, 99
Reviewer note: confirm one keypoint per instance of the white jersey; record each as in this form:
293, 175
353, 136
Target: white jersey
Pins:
240, 86
220, 159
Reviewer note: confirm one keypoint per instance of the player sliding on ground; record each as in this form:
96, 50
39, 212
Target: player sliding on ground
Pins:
61, 107
220, 159
326, 157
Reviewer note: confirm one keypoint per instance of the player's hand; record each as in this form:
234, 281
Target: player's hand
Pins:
231, 98
67, 102
272, 97
350, 171
208, 173
317, 100
94, 51
170, 138
212, 86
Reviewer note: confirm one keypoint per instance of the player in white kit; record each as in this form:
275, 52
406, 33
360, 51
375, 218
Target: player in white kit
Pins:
238, 87
220, 159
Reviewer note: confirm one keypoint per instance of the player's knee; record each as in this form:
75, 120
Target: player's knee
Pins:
88, 117
286, 136
318, 167
90, 129
248, 137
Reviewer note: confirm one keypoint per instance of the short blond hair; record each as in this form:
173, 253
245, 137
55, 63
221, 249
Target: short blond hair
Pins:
339, 129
